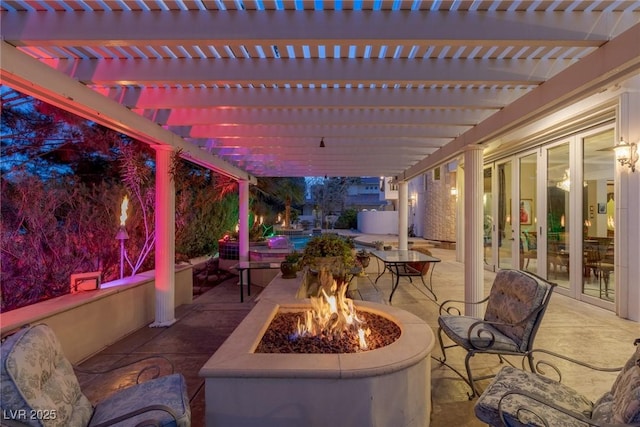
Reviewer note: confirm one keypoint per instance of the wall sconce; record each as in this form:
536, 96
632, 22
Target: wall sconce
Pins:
454, 191
626, 154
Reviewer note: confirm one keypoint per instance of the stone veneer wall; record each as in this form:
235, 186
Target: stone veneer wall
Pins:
440, 215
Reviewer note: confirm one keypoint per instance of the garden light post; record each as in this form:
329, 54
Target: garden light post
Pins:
122, 234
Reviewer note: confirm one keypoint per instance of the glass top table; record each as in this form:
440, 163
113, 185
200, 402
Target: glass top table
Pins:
398, 262
252, 265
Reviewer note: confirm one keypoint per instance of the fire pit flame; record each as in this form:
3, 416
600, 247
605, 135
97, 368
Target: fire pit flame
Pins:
332, 315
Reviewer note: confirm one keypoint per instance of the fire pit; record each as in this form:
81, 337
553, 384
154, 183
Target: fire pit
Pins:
332, 325
386, 386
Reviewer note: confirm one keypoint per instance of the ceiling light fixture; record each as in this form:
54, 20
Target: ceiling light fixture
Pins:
322, 142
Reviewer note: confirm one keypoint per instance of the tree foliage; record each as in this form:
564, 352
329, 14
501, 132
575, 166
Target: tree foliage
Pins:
63, 180
329, 195
206, 207
279, 194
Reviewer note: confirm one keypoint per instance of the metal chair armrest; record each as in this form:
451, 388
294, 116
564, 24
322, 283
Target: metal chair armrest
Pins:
447, 306
539, 418
476, 328
155, 368
540, 364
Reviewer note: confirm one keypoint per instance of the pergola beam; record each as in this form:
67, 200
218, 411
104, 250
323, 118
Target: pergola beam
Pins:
197, 97
299, 132
34, 78
311, 27
617, 60
345, 116
303, 71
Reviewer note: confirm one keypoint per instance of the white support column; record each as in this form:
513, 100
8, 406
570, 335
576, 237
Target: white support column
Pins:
243, 220
165, 239
627, 212
403, 215
460, 246
473, 245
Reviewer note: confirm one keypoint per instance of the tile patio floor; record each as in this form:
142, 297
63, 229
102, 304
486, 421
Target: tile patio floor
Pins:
572, 328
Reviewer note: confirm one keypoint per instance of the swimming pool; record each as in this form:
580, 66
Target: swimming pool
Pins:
299, 242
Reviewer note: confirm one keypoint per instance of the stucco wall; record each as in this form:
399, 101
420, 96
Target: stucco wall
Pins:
440, 207
87, 322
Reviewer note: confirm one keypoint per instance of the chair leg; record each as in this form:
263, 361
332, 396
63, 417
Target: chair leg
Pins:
472, 384
442, 347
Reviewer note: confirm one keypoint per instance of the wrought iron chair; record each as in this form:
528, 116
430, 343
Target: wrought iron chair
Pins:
517, 398
515, 307
39, 387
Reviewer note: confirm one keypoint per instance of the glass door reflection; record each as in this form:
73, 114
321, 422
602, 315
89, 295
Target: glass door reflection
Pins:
528, 238
597, 216
505, 229
558, 214
488, 228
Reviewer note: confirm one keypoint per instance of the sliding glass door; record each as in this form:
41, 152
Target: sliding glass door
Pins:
598, 205
558, 224
527, 213
551, 212
505, 236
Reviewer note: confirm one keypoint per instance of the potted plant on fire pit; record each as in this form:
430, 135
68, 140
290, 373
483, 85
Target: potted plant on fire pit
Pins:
328, 250
289, 267
363, 258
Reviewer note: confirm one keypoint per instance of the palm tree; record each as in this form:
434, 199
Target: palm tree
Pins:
278, 191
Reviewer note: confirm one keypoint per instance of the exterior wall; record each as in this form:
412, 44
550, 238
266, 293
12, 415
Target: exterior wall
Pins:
87, 322
628, 212
440, 206
380, 222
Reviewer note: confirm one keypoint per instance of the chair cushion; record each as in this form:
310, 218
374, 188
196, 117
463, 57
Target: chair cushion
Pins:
618, 404
510, 378
603, 409
457, 328
633, 361
170, 390
514, 295
626, 397
37, 379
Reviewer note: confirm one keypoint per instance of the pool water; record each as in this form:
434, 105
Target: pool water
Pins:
299, 242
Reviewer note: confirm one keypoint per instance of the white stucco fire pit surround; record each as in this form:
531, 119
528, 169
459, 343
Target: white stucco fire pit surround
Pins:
390, 386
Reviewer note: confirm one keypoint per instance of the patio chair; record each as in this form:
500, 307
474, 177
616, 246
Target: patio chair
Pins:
40, 388
516, 397
528, 249
515, 307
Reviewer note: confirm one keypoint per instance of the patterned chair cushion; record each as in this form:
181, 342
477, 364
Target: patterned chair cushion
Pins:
457, 328
603, 409
626, 398
514, 295
510, 378
169, 390
37, 378
622, 403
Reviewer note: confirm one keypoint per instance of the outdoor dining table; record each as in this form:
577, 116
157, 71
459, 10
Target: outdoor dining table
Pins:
397, 262
252, 265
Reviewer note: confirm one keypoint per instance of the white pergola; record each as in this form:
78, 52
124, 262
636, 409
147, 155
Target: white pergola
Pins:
249, 88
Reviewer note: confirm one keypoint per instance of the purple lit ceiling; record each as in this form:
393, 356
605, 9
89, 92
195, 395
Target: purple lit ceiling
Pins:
258, 84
